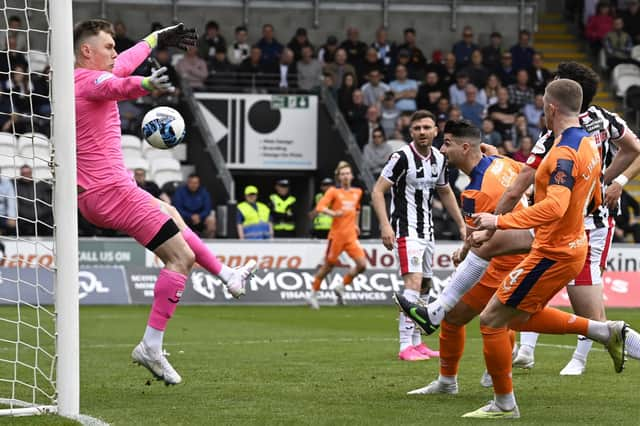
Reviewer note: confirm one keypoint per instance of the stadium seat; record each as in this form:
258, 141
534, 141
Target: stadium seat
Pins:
159, 164
624, 82
131, 144
7, 138
8, 150
29, 139
396, 144
42, 173
635, 52
152, 154
39, 149
133, 163
161, 177
176, 58
38, 61
624, 69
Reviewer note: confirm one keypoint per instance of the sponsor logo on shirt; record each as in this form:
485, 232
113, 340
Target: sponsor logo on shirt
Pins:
103, 77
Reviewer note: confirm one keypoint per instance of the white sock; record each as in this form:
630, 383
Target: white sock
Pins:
528, 341
582, 348
153, 339
448, 380
507, 402
466, 275
225, 273
598, 331
406, 326
632, 343
417, 336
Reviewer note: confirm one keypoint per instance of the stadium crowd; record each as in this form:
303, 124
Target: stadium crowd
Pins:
377, 85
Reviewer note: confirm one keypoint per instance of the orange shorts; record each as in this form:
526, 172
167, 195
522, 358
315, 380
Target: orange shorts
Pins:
336, 246
480, 294
535, 281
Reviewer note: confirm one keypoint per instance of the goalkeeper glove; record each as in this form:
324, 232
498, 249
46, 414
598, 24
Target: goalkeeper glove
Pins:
158, 80
175, 36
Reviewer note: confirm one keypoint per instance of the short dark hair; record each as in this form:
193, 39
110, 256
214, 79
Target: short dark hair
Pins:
379, 129
193, 175
241, 28
420, 114
584, 76
410, 30
463, 129
212, 24
15, 18
89, 28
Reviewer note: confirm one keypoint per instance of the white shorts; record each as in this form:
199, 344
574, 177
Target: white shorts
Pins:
415, 255
599, 240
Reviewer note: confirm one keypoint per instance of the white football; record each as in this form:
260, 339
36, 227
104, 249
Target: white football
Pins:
163, 127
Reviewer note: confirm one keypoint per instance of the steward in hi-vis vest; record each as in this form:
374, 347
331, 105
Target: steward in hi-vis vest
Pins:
282, 205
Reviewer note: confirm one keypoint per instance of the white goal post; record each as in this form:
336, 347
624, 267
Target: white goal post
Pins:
39, 343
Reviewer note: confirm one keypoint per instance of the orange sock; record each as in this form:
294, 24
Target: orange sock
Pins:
497, 357
555, 321
348, 279
451, 347
317, 282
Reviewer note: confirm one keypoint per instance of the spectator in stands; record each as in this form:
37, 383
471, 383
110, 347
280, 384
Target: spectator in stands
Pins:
522, 52
598, 26
492, 54
254, 218
345, 92
321, 221
309, 70
374, 90
8, 212
491, 89
211, 42
193, 202
9, 61
221, 72
283, 210
193, 69
456, 91
625, 222
416, 57
283, 74
414, 72
471, 109
506, 72
404, 89
503, 114
526, 145
476, 71
298, 41
34, 204
430, 92
455, 114
122, 41
339, 67
449, 70
327, 52
373, 122
631, 18
520, 93
356, 116
490, 136
376, 153
389, 114
20, 88
539, 76
533, 113
270, 47
355, 48
443, 106
617, 45
384, 49
131, 116
371, 62
251, 70
239, 50
403, 127
328, 82
465, 47
15, 25
140, 176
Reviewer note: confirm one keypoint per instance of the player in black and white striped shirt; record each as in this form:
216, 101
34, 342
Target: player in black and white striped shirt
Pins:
413, 174
619, 148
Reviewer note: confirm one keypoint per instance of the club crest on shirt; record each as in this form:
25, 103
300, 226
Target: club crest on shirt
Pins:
559, 177
104, 77
415, 261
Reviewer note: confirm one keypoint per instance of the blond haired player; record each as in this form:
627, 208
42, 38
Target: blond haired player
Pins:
343, 205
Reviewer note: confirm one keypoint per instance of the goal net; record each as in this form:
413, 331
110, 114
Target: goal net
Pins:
38, 241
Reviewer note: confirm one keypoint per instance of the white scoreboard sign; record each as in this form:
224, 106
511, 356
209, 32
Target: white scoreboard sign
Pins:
263, 131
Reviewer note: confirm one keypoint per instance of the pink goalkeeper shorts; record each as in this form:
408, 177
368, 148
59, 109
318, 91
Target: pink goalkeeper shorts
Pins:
125, 208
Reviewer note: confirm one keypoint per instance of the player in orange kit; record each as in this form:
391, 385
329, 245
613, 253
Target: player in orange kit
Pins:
343, 204
489, 177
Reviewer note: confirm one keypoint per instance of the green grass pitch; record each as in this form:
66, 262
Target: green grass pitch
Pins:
337, 366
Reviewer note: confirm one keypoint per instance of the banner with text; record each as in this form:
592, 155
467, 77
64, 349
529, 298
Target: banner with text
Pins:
263, 131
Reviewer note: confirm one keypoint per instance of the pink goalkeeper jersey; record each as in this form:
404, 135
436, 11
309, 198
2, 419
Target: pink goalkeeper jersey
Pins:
99, 151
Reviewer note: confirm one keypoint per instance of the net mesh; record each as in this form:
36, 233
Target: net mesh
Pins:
27, 252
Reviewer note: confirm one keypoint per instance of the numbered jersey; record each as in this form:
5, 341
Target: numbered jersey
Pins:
605, 127
414, 179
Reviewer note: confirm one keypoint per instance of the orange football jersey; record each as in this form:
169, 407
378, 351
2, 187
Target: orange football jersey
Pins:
348, 201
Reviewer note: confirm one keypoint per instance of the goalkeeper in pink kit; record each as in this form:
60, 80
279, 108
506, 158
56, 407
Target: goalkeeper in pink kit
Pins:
108, 197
